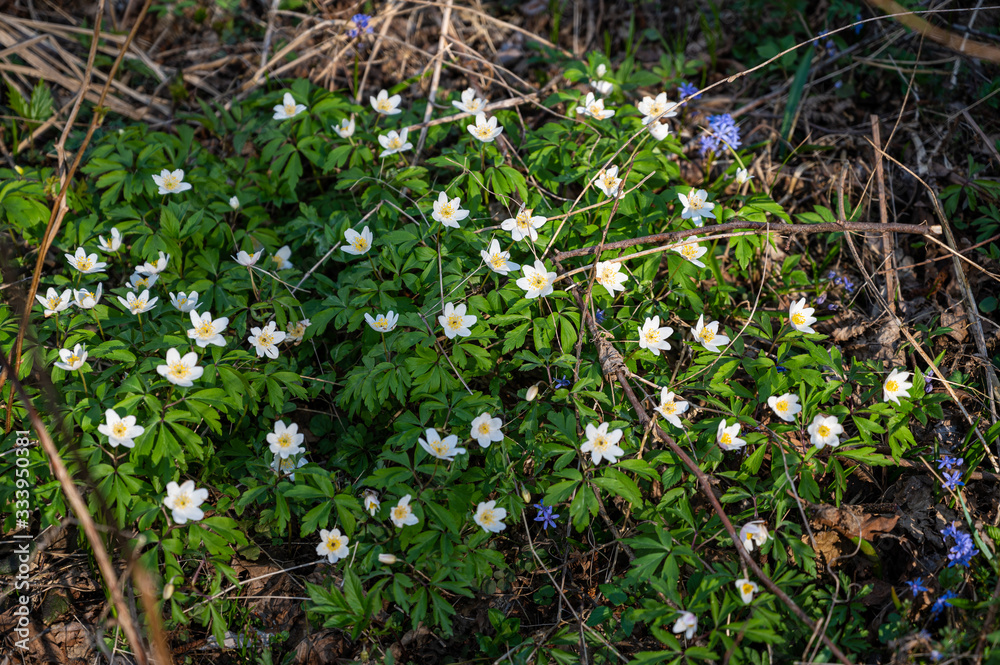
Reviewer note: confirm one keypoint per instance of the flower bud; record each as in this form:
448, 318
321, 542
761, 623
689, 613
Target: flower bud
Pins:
532, 393
387, 558
525, 494
168, 591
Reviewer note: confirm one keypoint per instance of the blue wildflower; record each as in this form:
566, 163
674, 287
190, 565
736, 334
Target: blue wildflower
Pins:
857, 28
545, 516
561, 382
360, 25
688, 90
599, 316
928, 377
781, 369
936, 655
831, 274
722, 131
963, 550
832, 306
916, 586
821, 299
942, 601
952, 480
947, 462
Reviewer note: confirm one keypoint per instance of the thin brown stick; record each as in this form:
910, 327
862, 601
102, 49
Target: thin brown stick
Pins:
764, 227
79, 507
887, 244
435, 78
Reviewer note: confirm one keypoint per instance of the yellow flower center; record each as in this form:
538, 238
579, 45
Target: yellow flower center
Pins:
170, 182
726, 438
652, 336
119, 430
610, 181
607, 275
206, 330
798, 318
706, 335
455, 322
181, 300
265, 339
656, 108
289, 109
138, 305
781, 406
333, 543
747, 588
73, 359
473, 106
538, 281
498, 261
179, 370
484, 429
483, 131
600, 444
695, 202
384, 105
85, 264
142, 281
381, 323
400, 513
689, 251
286, 464
668, 408
439, 447
523, 216
285, 440
360, 244
446, 211
487, 518
596, 110
823, 431
891, 386
395, 143
53, 303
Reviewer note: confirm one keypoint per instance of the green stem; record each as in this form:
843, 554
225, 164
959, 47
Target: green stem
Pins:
386, 347
142, 328
82, 378
98, 320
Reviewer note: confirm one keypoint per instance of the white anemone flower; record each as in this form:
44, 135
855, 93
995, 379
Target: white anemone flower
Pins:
55, 302
658, 130
742, 176
524, 225
393, 142
87, 299
286, 466
825, 431
602, 444
671, 407
470, 103
72, 359
295, 331
686, 623
594, 108
486, 430
184, 302
653, 337
490, 517
85, 263
248, 260
111, 244
387, 558
746, 589
346, 128
171, 182
708, 335
609, 276
181, 371
138, 304
120, 431
285, 440
383, 323
727, 437
205, 330
654, 108
288, 108
154, 267
801, 316
357, 243
603, 88
139, 281
332, 545
455, 321
498, 261
753, 534
485, 130
696, 206
442, 448
234, 203
537, 281
402, 513
281, 258
386, 105
785, 406
372, 504
692, 251
896, 385
265, 340
449, 212
183, 501
607, 181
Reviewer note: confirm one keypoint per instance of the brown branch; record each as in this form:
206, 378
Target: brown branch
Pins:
765, 227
